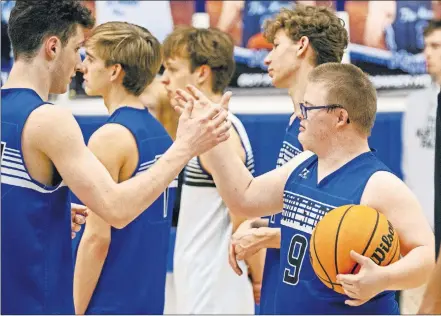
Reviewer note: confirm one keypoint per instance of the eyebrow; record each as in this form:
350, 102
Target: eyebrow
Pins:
90, 55
306, 102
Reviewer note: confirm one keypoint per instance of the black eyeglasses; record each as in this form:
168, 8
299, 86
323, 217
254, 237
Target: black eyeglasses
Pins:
304, 109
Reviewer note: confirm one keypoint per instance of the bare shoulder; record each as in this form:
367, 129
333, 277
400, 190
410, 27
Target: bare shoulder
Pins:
385, 191
51, 125
382, 182
113, 138
49, 116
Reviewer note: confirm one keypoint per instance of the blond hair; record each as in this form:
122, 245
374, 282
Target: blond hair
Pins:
210, 47
133, 47
325, 31
348, 86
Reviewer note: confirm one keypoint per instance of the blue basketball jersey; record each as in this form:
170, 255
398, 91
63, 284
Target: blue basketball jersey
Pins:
305, 203
290, 148
406, 32
37, 270
132, 280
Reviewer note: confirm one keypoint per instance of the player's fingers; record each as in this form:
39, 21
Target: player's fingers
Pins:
188, 108
178, 110
216, 115
223, 128
75, 227
355, 302
347, 278
79, 209
184, 95
198, 95
180, 102
72, 235
232, 260
350, 293
224, 102
79, 219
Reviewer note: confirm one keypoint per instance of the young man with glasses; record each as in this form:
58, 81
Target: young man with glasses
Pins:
342, 171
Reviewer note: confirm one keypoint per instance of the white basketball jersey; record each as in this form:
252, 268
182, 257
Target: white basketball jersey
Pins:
204, 281
418, 134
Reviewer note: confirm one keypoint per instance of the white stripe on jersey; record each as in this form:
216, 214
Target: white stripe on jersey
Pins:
12, 159
13, 150
14, 172
13, 165
27, 184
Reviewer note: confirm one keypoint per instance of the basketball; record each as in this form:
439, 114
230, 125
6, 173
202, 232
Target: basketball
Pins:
351, 227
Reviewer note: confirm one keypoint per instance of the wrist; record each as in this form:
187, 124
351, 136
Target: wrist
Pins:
182, 149
271, 236
385, 277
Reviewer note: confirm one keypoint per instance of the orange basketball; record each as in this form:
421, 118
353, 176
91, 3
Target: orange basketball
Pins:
346, 228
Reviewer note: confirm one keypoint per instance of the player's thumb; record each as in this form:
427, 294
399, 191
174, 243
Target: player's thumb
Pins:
361, 260
225, 101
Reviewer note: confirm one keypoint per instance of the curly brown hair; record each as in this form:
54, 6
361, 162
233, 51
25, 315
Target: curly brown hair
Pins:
210, 47
325, 31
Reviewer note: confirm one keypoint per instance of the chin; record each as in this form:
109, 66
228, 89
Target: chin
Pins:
90, 92
280, 84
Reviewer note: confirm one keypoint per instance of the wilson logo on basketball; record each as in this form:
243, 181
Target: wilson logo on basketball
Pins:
351, 227
383, 249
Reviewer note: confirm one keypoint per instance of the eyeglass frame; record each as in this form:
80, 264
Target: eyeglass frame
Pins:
304, 109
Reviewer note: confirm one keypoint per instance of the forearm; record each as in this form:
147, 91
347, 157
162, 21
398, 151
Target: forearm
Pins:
89, 264
431, 303
273, 240
410, 271
259, 222
256, 264
134, 196
231, 176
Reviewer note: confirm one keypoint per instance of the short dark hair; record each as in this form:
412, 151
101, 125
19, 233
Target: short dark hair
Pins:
33, 20
431, 27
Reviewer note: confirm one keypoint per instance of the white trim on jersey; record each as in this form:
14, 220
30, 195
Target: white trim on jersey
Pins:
13, 165
12, 159
18, 182
14, 172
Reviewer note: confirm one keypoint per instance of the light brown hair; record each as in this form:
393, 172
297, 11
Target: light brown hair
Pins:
210, 47
133, 47
348, 86
325, 31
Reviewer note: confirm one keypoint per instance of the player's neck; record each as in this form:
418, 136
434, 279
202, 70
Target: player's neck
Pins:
117, 98
338, 152
31, 76
298, 85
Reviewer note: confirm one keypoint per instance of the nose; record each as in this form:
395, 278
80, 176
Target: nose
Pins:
164, 78
80, 67
267, 60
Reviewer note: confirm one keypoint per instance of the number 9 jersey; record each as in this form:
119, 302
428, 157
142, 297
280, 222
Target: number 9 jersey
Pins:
305, 202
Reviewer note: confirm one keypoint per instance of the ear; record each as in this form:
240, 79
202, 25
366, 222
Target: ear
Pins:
303, 43
52, 47
116, 71
203, 73
343, 117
